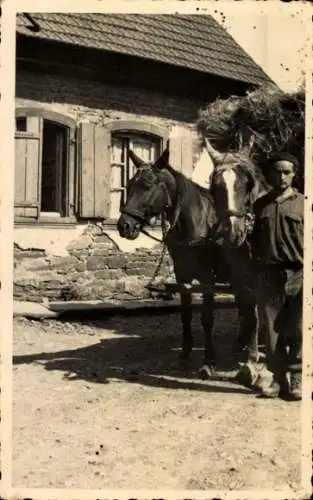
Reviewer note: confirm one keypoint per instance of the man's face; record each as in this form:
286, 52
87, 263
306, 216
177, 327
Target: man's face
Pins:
282, 174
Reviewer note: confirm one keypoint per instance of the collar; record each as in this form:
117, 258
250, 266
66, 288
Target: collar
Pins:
285, 196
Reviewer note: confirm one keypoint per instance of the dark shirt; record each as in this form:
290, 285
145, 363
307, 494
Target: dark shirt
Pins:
277, 238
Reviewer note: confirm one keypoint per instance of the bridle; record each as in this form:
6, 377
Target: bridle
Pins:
167, 226
145, 219
247, 213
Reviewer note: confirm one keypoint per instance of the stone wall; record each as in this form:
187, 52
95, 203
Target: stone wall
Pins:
92, 268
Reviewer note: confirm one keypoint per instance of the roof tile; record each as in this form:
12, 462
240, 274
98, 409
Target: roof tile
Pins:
191, 41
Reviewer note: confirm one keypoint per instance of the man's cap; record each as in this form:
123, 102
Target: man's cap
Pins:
283, 157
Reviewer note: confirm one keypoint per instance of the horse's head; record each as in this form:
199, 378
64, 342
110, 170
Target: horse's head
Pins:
147, 196
233, 186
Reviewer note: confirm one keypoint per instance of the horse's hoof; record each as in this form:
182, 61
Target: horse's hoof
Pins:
247, 375
206, 372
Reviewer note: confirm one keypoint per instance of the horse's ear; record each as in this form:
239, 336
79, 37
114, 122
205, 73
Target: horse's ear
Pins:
163, 160
217, 157
138, 162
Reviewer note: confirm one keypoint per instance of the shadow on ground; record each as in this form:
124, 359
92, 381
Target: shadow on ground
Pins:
142, 350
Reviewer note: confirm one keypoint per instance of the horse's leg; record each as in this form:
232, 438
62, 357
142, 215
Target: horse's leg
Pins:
248, 334
249, 371
253, 341
207, 320
243, 283
186, 315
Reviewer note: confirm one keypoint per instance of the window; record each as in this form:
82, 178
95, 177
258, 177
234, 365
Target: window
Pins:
53, 173
122, 168
21, 124
43, 165
66, 171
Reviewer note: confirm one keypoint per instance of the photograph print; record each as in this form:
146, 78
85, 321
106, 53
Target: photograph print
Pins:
159, 200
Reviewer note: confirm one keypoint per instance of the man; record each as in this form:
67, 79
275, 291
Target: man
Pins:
277, 243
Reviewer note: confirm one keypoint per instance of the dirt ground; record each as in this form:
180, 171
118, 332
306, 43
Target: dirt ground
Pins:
103, 404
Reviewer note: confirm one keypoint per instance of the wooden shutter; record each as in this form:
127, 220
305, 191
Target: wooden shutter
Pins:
94, 170
28, 152
181, 150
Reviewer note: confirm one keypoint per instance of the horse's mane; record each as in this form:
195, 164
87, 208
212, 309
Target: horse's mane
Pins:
187, 188
189, 191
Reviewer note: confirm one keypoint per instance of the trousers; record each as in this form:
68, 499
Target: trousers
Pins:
279, 302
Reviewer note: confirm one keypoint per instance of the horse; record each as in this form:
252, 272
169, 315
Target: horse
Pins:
190, 237
235, 184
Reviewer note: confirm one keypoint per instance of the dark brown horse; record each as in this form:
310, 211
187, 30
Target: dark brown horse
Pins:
193, 227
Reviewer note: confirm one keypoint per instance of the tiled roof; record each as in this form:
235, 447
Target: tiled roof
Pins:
195, 42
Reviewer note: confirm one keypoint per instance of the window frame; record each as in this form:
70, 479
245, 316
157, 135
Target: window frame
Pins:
71, 126
137, 127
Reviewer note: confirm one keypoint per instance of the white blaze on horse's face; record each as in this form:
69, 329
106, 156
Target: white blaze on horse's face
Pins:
229, 178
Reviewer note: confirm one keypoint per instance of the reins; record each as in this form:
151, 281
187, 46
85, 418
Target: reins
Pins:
166, 227
143, 231
165, 231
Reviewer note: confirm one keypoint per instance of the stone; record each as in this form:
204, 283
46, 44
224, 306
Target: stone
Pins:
74, 277
29, 254
115, 262
103, 284
134, 286
38, 264
100, 250
81, 243
36, 279
94, 230
80, 266
49, 276
109, 274
103, 290
34, 310
95, 262
77, 292
103, 238
135, 271
120, 286
56, 293
81, 255
138, 263
67, 263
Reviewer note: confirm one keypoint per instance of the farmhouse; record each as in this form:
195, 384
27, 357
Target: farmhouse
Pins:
90, 87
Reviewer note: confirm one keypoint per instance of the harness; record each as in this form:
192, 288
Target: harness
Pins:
166, 228
248, 213
145, 220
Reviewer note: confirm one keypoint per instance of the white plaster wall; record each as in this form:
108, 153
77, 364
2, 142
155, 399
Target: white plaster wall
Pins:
203, 169
55, 240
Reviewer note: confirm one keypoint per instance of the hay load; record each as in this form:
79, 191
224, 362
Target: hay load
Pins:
263, 122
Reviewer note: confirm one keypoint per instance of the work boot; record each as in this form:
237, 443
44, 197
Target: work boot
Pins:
278, 388
295, 392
